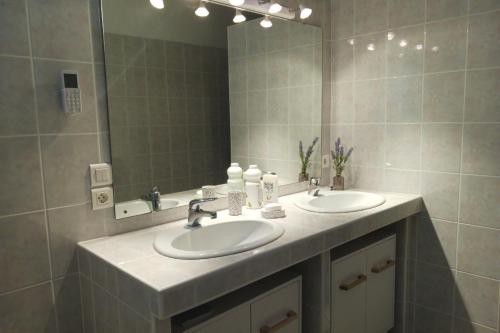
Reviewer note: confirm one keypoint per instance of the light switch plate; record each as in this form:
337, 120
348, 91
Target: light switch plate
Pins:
325, 161
100, 175
102, 198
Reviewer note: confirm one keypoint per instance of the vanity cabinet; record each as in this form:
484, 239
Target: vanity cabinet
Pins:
363, 289
272, 305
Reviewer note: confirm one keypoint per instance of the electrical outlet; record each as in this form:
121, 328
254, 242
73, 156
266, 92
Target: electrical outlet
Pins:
102, 198
325, 161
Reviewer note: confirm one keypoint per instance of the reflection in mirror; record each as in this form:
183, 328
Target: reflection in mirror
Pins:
188, 95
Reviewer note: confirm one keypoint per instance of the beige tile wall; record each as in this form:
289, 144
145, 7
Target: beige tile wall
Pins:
415, 89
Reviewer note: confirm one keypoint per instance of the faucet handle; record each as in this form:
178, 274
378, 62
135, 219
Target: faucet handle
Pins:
314, 181
199, 201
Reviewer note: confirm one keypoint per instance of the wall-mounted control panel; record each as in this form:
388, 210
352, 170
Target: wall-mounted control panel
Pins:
100, 175
102, 197
70, 93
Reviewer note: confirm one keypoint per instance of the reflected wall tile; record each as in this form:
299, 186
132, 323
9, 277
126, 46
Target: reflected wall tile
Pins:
52, 118
66, 160
17, 109
155, 53
343, 103
437, 242
134, 50
441, 147
405, 51
428, 321
237, 75
442, 9
477, 6
113, 46
482, 100
300, 105
239, 140
476, 299
176, 84
236, 38
256, 72
445, 45
484, 44
479, 201
278, 135
24, 253
256, 38
404, 99
370, 57
277, 37
135, 81
257, 107
369, 141
343, 60
115, 81
60, 29
480, 150
257, 144
405, 12
440, 194
343, 19
479, 251
370, 16
13, 28
369, 101
30, 310
444, 97
21, 162
301, 69
426, 293
277, 103
238, 107
403, 146
297, 133
174, 55
156, 82
466, 326
277, 69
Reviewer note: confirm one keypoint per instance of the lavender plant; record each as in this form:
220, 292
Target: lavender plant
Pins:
305, 158
338, 157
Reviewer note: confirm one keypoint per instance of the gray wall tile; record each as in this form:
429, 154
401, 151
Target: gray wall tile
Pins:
21, 162
342, 103
369, 142
465, 326
370, 59
437, 242
405, 12
60, 29
444, 97
13, 28
68, 304
343, 19
480, 151
17, 109
440, 193
404, 99
69, 225
428, 321
343, 60
403, 146
479, 201
477, 6
28, 311
369, 101
482, 100
479, 251
24, 253
441, 147
484, 44
405, 50
428, 278
442, 9
105, 310
476, 299
369, 16
50, 109
66, 160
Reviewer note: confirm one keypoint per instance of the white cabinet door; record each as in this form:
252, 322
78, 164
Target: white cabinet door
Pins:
380, 286
278, 312
234, 321
348, 294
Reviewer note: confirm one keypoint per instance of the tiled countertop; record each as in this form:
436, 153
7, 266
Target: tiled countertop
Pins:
169, 286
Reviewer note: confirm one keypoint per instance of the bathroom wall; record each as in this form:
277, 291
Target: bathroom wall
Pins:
169, 115
415, 90
44, 197
275, 95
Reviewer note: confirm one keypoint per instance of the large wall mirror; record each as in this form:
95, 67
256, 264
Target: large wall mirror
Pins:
189, 94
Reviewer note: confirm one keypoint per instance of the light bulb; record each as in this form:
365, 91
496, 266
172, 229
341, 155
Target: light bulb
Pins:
403, 43
236, 2
266, 22
305, 12
202, 10
390, 35
158, 4
275, 7
239, 17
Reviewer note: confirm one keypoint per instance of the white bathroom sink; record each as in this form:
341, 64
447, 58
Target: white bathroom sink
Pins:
340, 201
166, 203
216, 239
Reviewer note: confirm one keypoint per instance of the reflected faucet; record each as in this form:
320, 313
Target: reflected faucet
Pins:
195, 213
154, 197
313, 188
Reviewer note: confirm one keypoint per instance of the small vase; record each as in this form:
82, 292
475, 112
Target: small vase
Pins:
303, 177
338, 183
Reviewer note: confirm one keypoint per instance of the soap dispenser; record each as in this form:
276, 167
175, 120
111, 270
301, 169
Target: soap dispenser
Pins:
235, 177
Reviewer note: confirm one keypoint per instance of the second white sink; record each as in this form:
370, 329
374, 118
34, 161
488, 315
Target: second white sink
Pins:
217, 239
340, 201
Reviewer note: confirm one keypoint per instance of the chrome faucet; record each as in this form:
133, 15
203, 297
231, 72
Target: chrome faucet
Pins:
154, 197
313, 188
195, 213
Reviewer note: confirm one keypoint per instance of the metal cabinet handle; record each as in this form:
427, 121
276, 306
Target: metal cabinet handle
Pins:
388, 263
290, 316
348, 286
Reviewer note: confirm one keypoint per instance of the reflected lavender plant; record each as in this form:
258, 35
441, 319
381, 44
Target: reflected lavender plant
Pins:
305, 158
338, 157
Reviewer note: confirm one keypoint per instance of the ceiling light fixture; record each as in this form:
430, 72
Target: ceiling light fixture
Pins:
158, 4
202, 10
236, 2
239, 17
266, 22
305, 12
275, 7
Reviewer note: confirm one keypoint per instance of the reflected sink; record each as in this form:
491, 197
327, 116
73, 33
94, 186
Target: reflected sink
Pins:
217, 239
340, 201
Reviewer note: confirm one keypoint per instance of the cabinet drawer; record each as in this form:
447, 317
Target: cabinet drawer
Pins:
234, 321
380, 260
278, 311
348, 294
